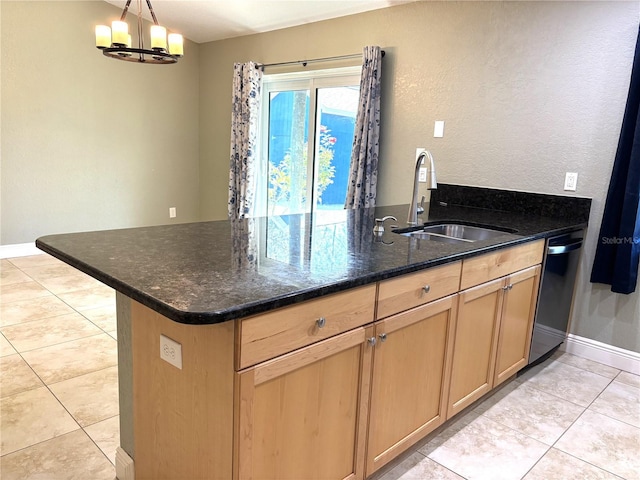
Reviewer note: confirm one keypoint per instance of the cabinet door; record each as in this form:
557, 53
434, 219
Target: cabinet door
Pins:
303, 415
409, 382
516, 323
476, 333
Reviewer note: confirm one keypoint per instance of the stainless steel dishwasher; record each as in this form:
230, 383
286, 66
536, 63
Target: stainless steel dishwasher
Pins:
560, 265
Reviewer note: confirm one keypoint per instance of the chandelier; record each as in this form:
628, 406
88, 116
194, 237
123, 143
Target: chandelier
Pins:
115, 41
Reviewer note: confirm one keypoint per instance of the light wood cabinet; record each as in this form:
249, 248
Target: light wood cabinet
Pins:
474, 345
332, 388
274, 333
182, 418
502, 262
492, 335
408, 389
516, 324
303, 415
418, 288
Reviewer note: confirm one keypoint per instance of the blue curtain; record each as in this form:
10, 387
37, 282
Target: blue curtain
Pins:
618, 250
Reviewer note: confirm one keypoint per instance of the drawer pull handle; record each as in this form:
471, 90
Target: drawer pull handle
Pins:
372, 341
426, 288
321, 322
383, 337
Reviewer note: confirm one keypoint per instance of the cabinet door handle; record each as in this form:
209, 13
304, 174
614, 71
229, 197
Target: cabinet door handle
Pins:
321, 322
383, 337
372, 341
505, 288
426, 288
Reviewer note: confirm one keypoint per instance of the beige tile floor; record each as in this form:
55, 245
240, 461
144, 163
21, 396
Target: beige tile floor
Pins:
568, 418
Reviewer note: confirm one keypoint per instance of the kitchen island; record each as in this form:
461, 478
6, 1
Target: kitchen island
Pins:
299, 335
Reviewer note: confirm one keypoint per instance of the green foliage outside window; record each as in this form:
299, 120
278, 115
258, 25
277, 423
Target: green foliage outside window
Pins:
281, 177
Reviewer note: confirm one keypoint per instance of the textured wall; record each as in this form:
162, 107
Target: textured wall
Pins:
90, 143
528, 91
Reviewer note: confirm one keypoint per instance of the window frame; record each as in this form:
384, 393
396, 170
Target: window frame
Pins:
310, 80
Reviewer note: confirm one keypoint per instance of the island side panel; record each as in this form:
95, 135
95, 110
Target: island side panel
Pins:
183, 418
125, 373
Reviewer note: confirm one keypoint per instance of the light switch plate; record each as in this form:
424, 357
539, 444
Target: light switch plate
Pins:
171, 351
172, 212
438, 129
570, 181
422, 175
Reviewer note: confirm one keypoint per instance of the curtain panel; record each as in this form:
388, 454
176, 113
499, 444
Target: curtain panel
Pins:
245, 125
363, 173
618, 249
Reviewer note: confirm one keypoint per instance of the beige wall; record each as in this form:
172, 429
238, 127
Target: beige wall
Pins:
528, 91
90, 143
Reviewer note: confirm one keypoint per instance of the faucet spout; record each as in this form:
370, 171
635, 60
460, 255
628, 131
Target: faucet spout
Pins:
432, 184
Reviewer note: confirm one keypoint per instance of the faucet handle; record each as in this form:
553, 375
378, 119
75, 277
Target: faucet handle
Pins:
379, 226
420, 208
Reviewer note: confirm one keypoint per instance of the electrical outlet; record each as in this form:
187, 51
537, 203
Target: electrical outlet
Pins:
171, 351
571, 181
172, 212
419, 150
422, 175
438, 129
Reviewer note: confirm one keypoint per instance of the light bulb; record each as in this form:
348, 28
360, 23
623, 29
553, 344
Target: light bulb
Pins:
120, 32
158, 37
176, 44
103, 36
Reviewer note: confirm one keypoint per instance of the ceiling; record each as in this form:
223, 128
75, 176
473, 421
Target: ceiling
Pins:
207, 20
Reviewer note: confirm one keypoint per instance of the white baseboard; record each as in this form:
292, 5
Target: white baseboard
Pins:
602, 353
19, 250
124, 465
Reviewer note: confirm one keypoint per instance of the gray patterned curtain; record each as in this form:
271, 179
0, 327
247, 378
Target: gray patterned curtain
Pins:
245, 116
363, 174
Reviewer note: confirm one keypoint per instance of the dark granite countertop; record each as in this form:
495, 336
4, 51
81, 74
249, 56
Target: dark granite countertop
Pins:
210, 272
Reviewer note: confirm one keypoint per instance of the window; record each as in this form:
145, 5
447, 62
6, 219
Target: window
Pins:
308, 122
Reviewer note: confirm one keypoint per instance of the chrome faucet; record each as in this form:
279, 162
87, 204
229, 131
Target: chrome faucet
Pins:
432, 184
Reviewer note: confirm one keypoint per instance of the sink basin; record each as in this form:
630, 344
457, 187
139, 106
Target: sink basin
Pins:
454, 232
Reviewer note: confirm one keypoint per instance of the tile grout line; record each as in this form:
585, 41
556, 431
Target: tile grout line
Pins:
47, 385
67, 341
566, 400
35, 319
94, 442
578, 418
75, 310
611, 380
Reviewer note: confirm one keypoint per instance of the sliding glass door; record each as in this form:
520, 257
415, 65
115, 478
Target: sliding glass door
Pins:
308, 126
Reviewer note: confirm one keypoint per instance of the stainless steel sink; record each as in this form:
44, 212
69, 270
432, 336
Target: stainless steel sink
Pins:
453, 232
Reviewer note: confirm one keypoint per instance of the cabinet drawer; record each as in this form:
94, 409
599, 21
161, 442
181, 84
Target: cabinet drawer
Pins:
502, 262
272, 334
408, 291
